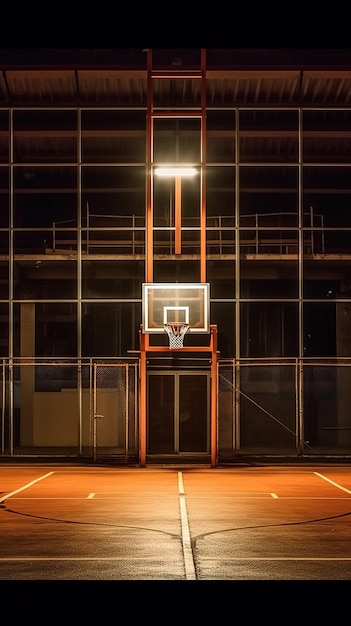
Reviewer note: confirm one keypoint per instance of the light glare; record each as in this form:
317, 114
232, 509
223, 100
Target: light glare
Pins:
176, 171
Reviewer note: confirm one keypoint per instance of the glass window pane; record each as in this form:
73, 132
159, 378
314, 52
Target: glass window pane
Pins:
44, 196
221, 276
112, 191
220, 137
326, 136
46, 329
320, 329
4, 330
110, 136
177, 140
48, 136
56, 329
4, 199
223, 315
269, 329
110, 329
273, 279
45, 279
182, 272
4, 137
268, 136
101, 279
220, 193
269, 191
45, 203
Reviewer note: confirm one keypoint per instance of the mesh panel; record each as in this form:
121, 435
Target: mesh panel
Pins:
116, 408
226, 411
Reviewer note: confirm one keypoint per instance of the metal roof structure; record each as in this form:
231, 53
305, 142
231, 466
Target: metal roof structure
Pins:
118, 77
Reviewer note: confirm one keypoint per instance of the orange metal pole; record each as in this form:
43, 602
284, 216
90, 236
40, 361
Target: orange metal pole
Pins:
149, 158
148, 261
203, 169
178, 215
214, 388
142, 387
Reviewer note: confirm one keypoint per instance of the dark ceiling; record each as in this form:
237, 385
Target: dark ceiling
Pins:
102, 78
118, 77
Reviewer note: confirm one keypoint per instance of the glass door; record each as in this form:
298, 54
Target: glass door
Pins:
178, 413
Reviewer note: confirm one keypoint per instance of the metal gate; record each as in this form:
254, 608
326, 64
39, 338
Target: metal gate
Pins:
115, 412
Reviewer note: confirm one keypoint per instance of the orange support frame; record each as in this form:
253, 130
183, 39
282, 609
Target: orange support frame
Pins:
142, 401
144, 337
173, 74
178, 215
144, 349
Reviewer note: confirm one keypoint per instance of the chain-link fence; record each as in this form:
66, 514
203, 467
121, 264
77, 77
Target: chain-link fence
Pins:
70, 408
52, 408
115, 425
284, 407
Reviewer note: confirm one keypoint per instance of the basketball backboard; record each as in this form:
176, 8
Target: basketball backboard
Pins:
164, 303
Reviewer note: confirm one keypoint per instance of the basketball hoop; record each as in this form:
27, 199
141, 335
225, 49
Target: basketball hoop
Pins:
176, 332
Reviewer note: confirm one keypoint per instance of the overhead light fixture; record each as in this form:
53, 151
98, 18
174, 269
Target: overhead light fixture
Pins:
169, 171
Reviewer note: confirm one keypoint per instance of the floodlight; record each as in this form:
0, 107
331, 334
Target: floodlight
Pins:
174, 171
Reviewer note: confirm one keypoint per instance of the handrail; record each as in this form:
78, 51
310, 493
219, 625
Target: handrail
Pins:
258, 236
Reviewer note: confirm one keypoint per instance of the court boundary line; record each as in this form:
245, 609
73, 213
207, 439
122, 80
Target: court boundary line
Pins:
33, 482
332, 482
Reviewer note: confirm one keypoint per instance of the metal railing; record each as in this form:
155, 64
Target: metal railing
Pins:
275, 233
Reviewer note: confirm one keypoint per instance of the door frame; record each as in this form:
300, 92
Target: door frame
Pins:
176, 374
145, 348
114, 409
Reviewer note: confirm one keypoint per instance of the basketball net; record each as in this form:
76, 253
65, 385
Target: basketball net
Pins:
176, 332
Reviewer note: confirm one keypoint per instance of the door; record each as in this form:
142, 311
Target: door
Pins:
178, 413
115, 410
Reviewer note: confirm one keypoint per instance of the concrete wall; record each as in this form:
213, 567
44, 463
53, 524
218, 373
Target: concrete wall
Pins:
55, 418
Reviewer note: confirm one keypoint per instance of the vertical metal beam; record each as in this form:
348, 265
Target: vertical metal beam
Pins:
94, 413
178, 215
298, 433
3, 405
148, 258
91, 407
11, 287
79, 283
214, 395
126, 386
237, 272
300, 443
143, 406
149, 158
203, 170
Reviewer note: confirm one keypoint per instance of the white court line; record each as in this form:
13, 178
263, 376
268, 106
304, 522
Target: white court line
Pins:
61, 498
187, 551
9, 495
332, 482
279, 558
275, 497
24, 559
7, 559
